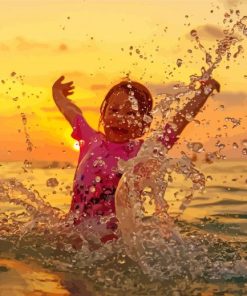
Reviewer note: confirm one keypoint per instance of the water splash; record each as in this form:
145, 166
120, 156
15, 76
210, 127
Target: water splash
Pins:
33, 229
223, 48
147, 176
27, 135
164, 249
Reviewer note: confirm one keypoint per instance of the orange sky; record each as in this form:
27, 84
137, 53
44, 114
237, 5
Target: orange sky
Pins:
88, 41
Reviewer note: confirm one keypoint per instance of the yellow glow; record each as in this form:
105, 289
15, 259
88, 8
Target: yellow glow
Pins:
76, 146
95, 61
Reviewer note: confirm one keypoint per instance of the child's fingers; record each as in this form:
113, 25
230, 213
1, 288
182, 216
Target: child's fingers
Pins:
58, 82
217, 86
68, 89
214, 84
60, 79
70, 93
68, 83
65, 87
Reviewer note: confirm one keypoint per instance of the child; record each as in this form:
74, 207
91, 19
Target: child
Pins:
124, 114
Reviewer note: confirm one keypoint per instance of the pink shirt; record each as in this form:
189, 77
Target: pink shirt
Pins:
97, 174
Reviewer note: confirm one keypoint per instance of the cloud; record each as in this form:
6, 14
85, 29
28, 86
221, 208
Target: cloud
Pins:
209, 32
230, 3
227, 98
4, 47
232, 98
168, 88
22, 43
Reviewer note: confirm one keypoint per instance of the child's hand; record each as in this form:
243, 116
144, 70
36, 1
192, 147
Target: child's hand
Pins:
210, 85
65, 88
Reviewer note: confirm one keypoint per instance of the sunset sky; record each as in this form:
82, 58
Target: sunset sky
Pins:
89, 42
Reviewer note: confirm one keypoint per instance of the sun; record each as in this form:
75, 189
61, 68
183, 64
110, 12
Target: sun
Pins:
76, 146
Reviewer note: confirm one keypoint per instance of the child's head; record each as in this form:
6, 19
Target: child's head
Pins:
126, 111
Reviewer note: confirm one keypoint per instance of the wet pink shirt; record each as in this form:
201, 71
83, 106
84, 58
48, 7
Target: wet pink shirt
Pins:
97, 174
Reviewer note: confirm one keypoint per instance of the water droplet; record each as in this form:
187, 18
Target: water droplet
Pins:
209, 178
179, 62
98, 162
52, 182
97, 179
197, 122
27, 164
195, 147
134, 103
147, 118
92, 189
188, 117
193, 33
121, 261
244, 142
234, 121
244, 151
235, 145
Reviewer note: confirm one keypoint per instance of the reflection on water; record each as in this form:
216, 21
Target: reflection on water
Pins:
211, 260
18, 278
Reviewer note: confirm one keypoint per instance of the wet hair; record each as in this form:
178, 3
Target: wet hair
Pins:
140, 92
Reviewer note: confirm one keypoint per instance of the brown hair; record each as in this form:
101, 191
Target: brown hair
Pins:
141, 94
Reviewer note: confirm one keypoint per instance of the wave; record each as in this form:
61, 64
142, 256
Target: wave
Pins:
227, 188
223, 202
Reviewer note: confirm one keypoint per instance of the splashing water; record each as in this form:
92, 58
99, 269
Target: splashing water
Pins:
149, 235
146, 177
46, 234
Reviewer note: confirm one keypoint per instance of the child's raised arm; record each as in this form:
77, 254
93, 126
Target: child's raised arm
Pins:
183, 117
60, 92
